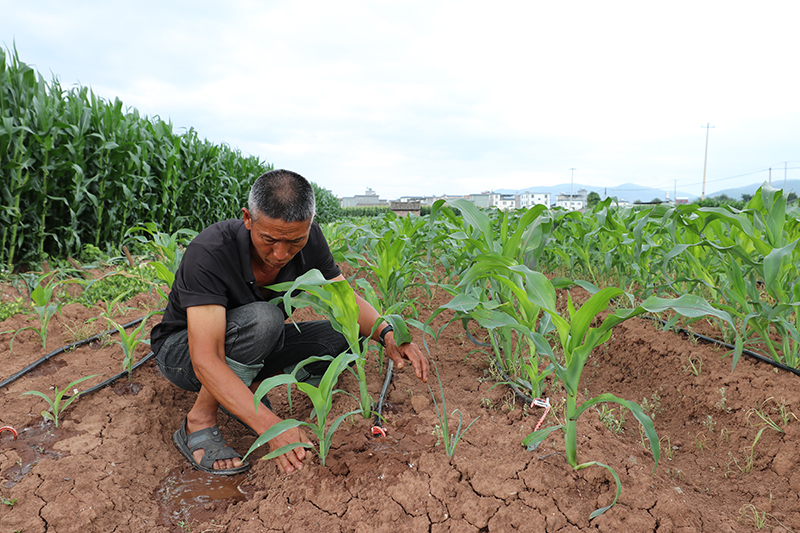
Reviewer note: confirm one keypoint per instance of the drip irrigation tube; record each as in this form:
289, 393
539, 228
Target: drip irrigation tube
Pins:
72, 346
111, 380
386, 381
528, 400
510, 382
755, 355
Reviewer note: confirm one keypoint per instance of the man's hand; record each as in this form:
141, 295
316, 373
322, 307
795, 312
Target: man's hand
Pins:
293, 459
409, 351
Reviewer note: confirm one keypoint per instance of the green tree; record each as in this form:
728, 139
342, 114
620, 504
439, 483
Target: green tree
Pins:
328, 207
592, 199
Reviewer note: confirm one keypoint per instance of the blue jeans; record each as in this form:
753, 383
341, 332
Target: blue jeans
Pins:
258, 343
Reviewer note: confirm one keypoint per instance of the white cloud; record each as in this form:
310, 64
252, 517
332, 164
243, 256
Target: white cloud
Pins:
433, 97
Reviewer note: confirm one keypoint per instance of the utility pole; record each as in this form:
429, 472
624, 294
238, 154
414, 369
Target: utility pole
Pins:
708, 126
770, 176
675, 195
785, 165
571, 181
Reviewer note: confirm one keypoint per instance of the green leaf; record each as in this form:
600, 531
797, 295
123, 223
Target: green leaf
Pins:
274, 431
400, 330
284, 449
634, 408
774, 261
533, 440
602, 510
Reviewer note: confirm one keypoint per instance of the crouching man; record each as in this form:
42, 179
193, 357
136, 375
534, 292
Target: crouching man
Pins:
220, 336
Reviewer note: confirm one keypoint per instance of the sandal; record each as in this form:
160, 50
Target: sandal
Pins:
211, 441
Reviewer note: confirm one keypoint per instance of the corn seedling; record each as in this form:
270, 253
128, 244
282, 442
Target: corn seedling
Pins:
167, 248
43, 305
321, 398
336, 300
130, 341
450, 440
577, 339
58, 403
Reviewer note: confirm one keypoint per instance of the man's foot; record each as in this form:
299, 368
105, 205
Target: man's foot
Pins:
206, 450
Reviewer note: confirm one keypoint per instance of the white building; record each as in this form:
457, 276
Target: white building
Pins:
574, 202
369, 198
530, 199
504, 201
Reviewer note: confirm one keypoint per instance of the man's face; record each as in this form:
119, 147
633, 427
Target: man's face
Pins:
276, 241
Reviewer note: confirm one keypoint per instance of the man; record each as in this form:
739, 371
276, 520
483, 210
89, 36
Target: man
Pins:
220, 337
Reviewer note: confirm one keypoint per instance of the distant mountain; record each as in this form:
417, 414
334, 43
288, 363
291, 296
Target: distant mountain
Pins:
625, 191
736, 194
632, 191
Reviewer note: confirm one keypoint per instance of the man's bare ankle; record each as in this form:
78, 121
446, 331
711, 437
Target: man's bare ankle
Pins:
196, 422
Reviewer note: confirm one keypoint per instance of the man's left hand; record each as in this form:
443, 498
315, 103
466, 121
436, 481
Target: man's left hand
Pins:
409, 351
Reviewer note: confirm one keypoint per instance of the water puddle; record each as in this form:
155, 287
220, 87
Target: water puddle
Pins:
125, 387
187, 494
32, 444
387, 445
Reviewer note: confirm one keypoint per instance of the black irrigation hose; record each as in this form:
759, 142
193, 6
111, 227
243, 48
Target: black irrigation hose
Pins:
69, 347
386, 381
111, 380
517, 391
754, 355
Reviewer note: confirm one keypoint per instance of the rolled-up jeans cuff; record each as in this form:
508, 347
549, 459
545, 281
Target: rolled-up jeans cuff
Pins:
246, 373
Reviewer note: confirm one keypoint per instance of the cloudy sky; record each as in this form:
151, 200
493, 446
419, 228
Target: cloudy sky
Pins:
430, 97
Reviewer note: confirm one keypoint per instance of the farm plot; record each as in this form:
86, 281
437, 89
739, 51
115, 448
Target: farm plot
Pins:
729, 449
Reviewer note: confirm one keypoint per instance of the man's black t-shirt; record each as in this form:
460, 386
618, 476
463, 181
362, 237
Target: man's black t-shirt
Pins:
215, 270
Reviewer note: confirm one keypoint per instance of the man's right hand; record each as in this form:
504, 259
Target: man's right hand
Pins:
293, 459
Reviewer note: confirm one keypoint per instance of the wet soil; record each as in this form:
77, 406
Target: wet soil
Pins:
111, 465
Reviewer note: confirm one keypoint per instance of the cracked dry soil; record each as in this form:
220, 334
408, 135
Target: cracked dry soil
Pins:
111, 465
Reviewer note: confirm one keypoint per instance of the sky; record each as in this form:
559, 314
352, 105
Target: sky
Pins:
438, 97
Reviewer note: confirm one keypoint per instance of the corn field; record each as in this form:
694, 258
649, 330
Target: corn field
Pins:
76, 169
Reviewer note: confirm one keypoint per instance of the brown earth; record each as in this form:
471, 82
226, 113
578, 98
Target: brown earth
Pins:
111, 465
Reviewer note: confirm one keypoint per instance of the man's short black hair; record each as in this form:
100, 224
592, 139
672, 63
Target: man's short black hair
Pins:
282, 194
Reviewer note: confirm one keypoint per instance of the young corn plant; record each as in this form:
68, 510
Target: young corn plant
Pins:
449, 440
321, 398
577, 339
43, 305
58, 404
130, 341
337, 301
498, 294
392, 259
167, 247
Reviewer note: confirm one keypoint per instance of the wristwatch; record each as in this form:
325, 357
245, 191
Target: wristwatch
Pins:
382, 336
